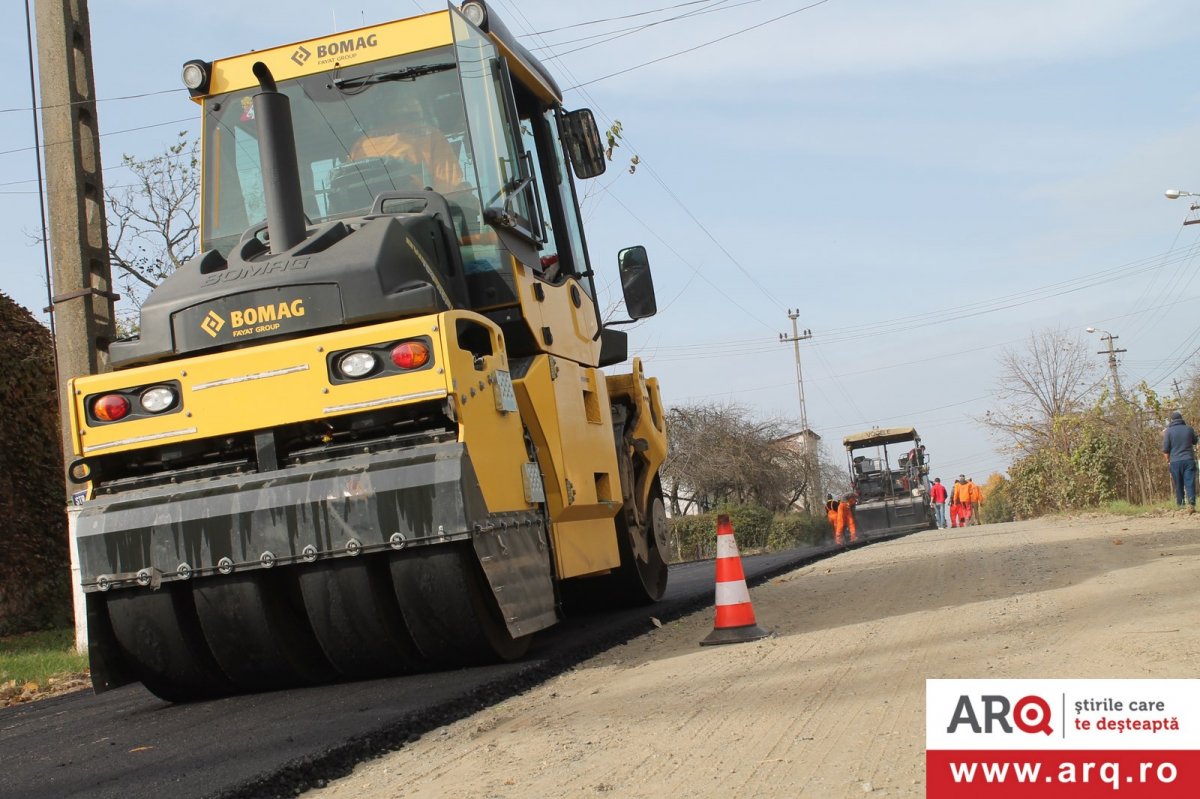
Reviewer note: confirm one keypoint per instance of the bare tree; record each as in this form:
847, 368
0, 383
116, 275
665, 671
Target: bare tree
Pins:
720, 453
1077, 445
152, 220
1053, 377
834, 473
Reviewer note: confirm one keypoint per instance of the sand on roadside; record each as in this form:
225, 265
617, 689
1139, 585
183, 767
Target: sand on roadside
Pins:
833, 704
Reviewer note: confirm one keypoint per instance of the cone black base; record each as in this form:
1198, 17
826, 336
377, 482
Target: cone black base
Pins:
735, 635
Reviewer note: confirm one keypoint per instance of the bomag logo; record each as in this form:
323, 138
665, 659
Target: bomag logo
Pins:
212, 323
344, 47
301, 55
263, 318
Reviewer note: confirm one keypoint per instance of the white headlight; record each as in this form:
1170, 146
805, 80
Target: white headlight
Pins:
195, 75
356, 364
157, 399
475, 12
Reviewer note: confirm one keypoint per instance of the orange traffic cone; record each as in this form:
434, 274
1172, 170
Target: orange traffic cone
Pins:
735, 615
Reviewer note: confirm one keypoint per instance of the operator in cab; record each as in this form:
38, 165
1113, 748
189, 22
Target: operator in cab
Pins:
404, 132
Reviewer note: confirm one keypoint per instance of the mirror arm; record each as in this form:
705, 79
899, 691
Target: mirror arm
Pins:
616, 323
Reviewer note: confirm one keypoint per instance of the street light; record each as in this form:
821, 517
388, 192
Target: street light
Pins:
1175, 194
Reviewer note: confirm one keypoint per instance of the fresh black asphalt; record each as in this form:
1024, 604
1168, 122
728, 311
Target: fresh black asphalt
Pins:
127, 744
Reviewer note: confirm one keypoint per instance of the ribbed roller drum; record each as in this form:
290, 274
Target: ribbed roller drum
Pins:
352, 610
164, 644
258, 631
449, 608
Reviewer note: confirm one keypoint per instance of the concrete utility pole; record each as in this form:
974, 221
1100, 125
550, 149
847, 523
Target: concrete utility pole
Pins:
1178, 392
812, 498
82, 300
1112, 362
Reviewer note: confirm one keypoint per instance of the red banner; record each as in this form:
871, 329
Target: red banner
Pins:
1062, 774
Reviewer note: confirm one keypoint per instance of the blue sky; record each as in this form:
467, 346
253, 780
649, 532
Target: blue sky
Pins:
928, 182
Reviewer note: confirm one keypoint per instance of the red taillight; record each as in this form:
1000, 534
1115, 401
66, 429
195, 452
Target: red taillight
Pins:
410, 354
110, 408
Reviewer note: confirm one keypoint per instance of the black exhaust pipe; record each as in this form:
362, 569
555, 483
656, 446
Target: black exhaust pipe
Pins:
277, 152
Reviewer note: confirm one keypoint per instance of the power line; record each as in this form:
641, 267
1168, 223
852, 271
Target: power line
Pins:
109, 133
1024, 297
925, 318
105, 170
98, 100
614, 19
41, 199
610, 36
1150, 284
697, 47
662, 184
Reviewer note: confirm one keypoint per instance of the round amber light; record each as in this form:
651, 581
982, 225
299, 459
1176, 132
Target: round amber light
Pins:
410, 354
110, 408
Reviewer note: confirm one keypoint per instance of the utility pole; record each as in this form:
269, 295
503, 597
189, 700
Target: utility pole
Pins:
1112, 362
82, 299
1178, 392
812, 499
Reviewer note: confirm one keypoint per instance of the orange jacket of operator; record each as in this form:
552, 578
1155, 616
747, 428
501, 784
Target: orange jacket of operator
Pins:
421, 145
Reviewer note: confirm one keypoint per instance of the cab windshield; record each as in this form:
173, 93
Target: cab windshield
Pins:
397, 124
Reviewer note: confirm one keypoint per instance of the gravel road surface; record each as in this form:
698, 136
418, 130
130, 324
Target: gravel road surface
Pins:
833, 704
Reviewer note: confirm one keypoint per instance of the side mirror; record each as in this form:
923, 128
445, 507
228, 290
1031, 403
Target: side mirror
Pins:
636, 282
582, 138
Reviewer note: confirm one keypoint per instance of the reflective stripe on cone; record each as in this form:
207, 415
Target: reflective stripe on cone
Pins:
735, 620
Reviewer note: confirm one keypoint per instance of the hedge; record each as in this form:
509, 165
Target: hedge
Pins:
755, 528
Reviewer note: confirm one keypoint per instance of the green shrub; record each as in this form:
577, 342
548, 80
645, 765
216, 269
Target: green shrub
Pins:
693, 537
997, 505
751, 525
754, 527
790, 530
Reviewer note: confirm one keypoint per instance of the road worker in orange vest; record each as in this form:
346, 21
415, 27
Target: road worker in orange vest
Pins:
845, 518
974, 498
958, 499
831, 506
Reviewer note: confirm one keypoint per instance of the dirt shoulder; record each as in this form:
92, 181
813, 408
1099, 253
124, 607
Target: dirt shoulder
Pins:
833, 705
12, 693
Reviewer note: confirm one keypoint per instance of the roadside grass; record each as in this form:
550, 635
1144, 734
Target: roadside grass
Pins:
1123, 508
35, 663
1120, 507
